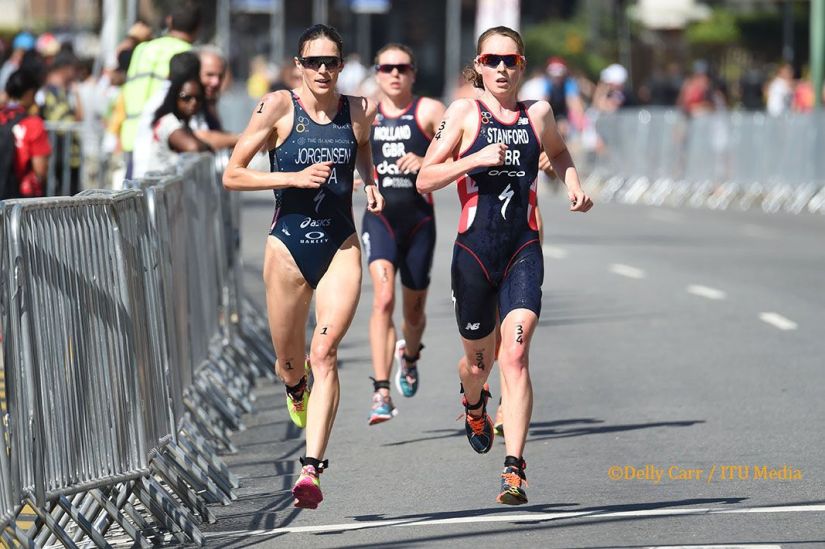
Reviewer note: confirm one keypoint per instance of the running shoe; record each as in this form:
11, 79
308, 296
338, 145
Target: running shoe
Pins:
513, 481
498, 425
382, 409
479, 430
406, 373
297, 407
307, 490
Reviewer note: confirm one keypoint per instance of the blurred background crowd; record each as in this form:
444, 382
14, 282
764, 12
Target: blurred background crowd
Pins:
112, 107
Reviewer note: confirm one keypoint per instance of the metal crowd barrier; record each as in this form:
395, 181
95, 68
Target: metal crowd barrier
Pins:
719, 160
77, 161
130, 356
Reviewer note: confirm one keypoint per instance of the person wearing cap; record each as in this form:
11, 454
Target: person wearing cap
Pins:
611, 94
22, 43
564, 96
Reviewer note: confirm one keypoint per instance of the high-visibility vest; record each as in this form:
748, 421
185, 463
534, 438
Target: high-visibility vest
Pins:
147, 69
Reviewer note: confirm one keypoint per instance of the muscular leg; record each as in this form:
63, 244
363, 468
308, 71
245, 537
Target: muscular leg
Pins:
382, 330
287, 302
415, 320
517, 391
335, 302
474, 367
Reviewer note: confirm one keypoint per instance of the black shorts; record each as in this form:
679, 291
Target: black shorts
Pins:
409, 248
479, 292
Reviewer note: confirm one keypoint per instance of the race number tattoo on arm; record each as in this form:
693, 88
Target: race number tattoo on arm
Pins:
261, 108
519, 334
440, 129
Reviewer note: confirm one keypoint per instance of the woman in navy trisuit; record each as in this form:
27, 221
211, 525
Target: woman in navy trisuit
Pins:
491, 146
401, 239
315, 138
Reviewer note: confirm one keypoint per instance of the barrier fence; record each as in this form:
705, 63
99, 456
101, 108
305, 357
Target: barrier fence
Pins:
129, 357
719, 160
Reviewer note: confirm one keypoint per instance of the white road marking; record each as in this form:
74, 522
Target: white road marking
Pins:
554, 252
749, 546
626, 270
530, 517
778, 321
705, 291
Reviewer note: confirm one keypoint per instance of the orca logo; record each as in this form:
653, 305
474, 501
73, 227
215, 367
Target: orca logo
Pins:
507, 173
473, 326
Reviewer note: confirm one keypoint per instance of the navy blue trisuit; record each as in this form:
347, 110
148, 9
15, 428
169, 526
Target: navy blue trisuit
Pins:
313, 223
498, 264
404, 232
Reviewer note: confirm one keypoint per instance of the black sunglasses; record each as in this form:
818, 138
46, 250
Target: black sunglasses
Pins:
493, 60
402, 68
188, 98
314, 63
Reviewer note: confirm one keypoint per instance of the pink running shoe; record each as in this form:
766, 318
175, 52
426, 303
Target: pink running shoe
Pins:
307, 489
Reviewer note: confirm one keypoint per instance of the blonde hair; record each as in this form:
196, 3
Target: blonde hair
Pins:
469, 72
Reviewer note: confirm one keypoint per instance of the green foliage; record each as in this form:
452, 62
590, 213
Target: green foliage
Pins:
567, 39
720, 29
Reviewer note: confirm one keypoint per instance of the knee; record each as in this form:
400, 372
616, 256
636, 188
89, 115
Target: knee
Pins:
383, 302
323, 356
415, 318
513, 358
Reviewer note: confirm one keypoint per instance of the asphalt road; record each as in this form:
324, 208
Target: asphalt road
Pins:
677, 339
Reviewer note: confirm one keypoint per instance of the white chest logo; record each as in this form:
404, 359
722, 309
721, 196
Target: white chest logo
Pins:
506, 195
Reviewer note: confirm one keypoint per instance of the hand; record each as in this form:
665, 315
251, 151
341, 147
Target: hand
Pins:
313, 176
579, 202
545, 165
491, 155
409, 163
375, 202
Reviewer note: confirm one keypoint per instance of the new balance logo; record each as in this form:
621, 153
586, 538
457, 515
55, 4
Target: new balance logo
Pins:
473, 326
523, 121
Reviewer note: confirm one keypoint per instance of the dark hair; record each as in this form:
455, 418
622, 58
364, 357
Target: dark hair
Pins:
469, 72
184, 66
123, 59
320, 31
62, 60
20, 82
186, 17
396, 46
170, 102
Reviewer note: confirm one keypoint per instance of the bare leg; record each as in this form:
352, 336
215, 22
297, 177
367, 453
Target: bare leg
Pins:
474, 367
336, 300
517, 391
382, 330
287, 301
415, 320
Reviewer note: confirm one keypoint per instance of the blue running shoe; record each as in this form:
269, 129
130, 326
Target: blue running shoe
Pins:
406, 371
382, 409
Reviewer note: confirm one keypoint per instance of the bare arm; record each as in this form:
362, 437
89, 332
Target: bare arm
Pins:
558, 155
40, 167
183, 140
438, 169
259, 132
217, 139
430, 113
363, 114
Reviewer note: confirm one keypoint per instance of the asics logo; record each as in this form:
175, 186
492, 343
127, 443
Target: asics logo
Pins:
507, 173
309, 222
473, 326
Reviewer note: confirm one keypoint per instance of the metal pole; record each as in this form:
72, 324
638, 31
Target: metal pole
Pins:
276, 31
452, 47
223, 29
319, 11
787, 32
131, 12
363, 24
817, 49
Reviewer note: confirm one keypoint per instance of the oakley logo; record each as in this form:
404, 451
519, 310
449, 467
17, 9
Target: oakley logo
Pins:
314, 235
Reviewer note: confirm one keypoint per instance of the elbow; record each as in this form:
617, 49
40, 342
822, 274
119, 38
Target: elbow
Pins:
422, 183
229, 180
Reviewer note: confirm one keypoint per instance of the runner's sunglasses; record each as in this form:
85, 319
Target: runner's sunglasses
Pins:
493, 60
402, 68
314, 63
